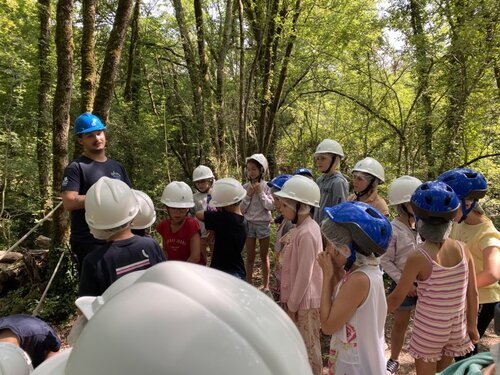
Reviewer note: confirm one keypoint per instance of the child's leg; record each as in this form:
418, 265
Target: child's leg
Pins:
398, 332
264, 259
250, 249
425, 368
308, 324
444, 362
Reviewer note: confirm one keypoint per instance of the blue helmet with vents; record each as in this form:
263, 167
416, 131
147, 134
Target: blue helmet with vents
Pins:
435, 200
369, 228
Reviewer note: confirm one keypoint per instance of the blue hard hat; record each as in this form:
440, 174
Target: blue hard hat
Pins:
278, 181
369, 228
435, 200
304, 172
465, 182
87, 123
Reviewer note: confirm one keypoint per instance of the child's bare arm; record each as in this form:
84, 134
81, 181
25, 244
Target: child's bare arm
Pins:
351, 295
325, 260
405, 284
194, 245
472, 301
200, 215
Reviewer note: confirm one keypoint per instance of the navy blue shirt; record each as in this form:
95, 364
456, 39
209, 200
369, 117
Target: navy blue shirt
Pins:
108, 263
79, 176
36, 337
230, 236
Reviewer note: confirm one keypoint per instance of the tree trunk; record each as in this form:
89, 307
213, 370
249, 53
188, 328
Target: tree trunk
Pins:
419, 40
104, 96
43, 139
89, 70
62, 102
195, 78
133, 67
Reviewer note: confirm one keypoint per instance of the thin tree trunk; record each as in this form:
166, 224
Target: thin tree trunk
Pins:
417, 11
61, 109
105, 91
132, 69
89, 70
43, 139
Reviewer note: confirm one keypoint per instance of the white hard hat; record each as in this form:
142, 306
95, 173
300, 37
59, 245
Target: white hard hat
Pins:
227, 191
259, 158
177, 194
202, 172
89, 305
402, 188
110, 203
14, 360
147, 214
371, 166
167, 321
329, 146
301, 189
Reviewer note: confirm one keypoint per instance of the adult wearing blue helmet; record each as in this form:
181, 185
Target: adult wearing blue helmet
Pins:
446, 313
354, 236
474, 228
81, 174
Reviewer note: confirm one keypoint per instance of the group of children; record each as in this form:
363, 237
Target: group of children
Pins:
330, 248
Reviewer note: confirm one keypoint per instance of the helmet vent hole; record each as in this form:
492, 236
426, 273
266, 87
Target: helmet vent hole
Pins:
372, 212
428, 199
447, 201
424, 187
471, 175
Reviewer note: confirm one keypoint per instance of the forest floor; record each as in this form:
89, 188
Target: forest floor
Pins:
407, 364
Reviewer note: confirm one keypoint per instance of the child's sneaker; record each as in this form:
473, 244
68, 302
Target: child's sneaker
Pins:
392, 366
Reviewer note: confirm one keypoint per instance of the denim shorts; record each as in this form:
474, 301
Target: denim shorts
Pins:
258, 229
409, 303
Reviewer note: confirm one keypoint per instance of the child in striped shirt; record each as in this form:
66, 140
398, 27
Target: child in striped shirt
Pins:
446, 313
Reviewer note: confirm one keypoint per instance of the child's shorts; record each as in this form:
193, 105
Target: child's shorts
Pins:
409, 303
258, 229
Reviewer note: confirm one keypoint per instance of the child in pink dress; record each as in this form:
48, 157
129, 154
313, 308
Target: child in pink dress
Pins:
446, 313
301, 276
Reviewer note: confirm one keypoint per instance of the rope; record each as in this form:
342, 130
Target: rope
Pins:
42, 298
31, 230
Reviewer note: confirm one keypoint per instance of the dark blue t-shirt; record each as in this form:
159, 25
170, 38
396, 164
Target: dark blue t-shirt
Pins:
79, 176
36, 337
107, 264
230, 236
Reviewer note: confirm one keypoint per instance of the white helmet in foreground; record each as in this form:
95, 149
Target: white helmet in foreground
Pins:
402, 188
183, 318
14, 360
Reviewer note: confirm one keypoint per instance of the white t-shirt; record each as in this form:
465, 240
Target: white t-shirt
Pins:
358, 347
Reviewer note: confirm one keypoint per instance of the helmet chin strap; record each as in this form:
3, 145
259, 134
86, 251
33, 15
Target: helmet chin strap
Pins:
351, 259
364, 192
466, 211
296, 218
331, 164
